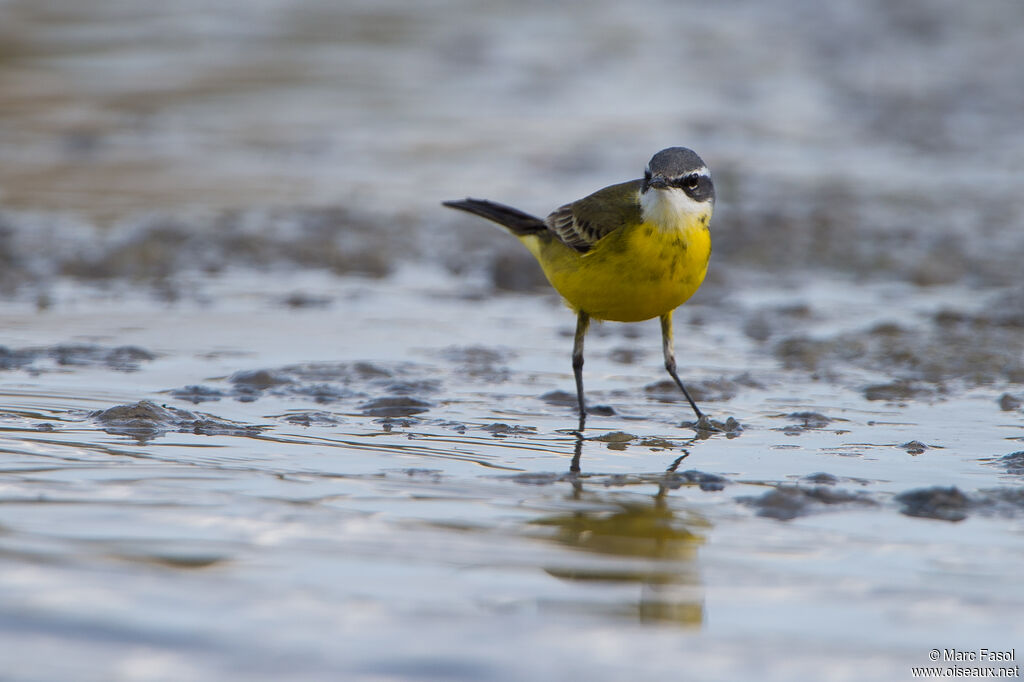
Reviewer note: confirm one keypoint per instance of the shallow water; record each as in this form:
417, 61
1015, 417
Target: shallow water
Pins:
277, 522
267, 411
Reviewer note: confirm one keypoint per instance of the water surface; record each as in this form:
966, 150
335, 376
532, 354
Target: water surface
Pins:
267, 410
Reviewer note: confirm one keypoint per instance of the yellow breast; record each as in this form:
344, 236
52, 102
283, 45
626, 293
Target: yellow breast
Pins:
635, 273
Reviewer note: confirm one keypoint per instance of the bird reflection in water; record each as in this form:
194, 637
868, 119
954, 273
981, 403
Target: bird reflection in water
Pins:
638, 540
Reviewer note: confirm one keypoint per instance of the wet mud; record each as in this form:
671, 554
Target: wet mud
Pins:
1014, 462
404, 387
255, 380
146, 420
393, 398
36, 359
950, 347
788, 502
466, 456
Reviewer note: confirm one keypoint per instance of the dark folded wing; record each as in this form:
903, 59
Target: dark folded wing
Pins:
581, 224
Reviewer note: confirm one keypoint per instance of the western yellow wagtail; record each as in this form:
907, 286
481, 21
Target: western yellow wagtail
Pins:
628, 252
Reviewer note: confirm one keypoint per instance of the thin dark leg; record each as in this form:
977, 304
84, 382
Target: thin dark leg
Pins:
577, 453
675, 464
670, 362
582, 322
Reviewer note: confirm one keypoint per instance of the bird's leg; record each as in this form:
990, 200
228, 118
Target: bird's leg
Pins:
582, 323
577, 453
670, 365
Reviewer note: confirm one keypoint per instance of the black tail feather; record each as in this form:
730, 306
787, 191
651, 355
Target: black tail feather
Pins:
517, 222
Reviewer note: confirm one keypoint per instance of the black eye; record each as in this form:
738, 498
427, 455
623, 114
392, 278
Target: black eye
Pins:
691, 182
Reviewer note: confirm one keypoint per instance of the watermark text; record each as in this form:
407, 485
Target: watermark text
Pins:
976, 663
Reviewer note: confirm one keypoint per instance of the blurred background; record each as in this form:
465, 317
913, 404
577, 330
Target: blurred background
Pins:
141, 139
269, 411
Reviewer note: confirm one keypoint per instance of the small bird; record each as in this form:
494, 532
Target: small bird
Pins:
629, 252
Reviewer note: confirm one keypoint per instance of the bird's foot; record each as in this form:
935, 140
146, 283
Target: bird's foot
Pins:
705, 426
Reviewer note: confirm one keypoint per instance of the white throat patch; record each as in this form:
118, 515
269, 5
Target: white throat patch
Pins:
670, 208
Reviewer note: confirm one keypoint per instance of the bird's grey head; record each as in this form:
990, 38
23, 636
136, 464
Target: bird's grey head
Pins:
679, 168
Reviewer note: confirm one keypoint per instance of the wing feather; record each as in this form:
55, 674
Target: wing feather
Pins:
581, 224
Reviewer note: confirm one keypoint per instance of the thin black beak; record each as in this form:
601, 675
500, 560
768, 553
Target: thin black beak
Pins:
657, 182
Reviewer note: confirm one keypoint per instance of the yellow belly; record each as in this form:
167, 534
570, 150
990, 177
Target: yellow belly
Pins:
633, 274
